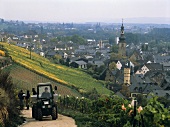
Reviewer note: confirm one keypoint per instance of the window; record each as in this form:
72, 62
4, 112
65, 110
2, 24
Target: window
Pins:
133, 95
44, 91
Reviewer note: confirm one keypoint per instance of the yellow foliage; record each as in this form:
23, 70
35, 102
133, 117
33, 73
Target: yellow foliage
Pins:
2, 53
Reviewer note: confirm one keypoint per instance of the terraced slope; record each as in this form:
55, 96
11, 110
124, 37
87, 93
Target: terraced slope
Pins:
61, 74
26, 80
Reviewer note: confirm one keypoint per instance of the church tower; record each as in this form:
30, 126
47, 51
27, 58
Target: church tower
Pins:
122, 42
127, 73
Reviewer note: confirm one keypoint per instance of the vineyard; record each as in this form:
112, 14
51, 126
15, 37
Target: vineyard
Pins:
26, 80
112, 111
73, 78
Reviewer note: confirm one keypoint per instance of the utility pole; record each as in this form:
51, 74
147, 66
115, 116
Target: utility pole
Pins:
30, 50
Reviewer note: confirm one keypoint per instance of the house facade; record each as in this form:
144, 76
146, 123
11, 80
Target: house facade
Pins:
149, 67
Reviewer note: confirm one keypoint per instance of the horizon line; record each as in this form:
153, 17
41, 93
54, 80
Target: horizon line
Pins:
107, 21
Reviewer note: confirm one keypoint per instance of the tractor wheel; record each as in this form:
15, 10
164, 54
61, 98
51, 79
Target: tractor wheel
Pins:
34, 109
39, 114
54, 113
33, 114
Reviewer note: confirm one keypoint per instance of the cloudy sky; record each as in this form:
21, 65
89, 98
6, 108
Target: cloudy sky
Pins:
82, 10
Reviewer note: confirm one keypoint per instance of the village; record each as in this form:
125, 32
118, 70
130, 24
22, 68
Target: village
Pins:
129, 69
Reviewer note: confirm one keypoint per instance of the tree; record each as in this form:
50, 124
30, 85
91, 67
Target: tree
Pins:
57, 58
116, 56
142, 101
112, 66
98, 54
125, 90
77, 39
115, 48
111, 40
53, 40
101, 69
67, 63
93, 94
109, 76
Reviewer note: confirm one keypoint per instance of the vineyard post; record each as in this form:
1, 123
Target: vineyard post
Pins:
64, 101
59, 97
82, 103
67, 101
76, 103
60, 102
134, 103
30, 49
142, 120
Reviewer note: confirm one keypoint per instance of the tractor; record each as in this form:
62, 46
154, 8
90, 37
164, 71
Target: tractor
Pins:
44, 102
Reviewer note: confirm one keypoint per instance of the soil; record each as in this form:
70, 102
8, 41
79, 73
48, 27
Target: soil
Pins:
62, 121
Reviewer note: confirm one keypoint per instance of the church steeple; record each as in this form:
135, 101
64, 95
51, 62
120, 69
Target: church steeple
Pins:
122, 43
122, 37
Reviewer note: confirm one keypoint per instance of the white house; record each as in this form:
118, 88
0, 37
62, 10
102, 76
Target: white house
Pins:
42, 54
150, 67
65, 55
142, 71
118, 65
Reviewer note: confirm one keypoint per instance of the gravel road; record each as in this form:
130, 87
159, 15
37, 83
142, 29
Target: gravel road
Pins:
62, 121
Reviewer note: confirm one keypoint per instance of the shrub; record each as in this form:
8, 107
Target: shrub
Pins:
10, 101
4, 99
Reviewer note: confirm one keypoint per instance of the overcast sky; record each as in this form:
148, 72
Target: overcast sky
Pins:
82, 10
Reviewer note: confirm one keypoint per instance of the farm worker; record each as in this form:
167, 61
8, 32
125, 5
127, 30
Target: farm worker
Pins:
27, 99
34, 92
46, 94
21, 98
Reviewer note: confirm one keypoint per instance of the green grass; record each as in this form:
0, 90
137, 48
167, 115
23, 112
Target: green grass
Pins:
61, 74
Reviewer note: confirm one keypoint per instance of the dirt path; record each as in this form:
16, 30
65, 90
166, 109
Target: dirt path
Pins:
62, 121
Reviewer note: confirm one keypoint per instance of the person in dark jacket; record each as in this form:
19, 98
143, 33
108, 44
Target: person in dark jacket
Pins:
34, 92
21, 98
46, 94
27, 99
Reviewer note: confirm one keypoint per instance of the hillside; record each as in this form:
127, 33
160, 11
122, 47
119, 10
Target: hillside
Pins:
26, 80
73, 78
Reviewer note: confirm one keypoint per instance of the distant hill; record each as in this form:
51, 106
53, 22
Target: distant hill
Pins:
138, 20
73, 78
144, 20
